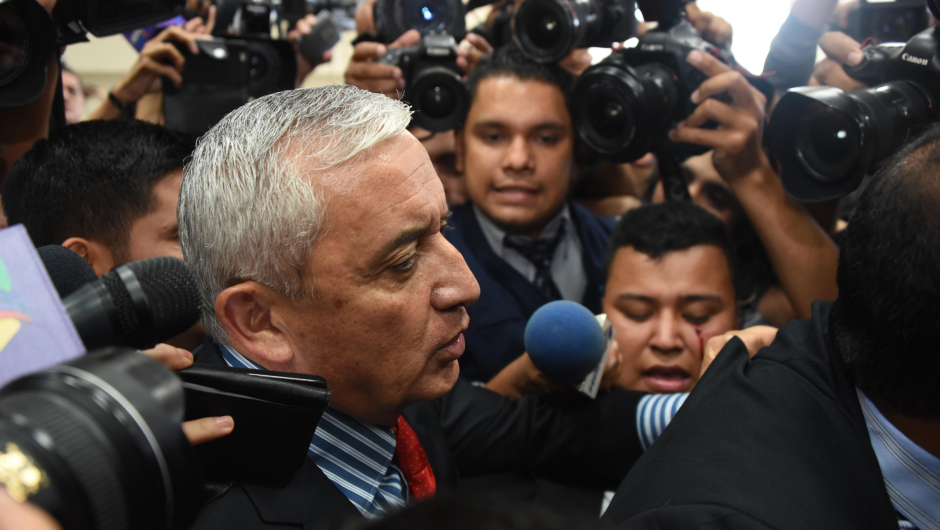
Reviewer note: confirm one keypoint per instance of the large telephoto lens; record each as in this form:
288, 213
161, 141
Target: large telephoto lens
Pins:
97, 443
622, 112
547, 30
438, 98
828, 140
27, 36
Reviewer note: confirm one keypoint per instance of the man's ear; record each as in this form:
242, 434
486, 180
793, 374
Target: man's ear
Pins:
458, 150
245, 311
98, 255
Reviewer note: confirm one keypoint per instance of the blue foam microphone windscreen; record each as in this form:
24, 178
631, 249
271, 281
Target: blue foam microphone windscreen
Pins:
565, 341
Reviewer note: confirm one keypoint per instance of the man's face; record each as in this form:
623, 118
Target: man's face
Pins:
516, 152
74, 96
385, 325
664, 311
440, 147
157, 233
707, 189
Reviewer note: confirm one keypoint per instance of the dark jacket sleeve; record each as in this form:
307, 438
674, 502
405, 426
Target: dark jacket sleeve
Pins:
584, 442
792, 54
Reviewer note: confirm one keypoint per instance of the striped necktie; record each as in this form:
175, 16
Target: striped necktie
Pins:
540, 252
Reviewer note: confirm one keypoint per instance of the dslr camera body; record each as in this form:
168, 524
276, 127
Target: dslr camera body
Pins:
827, 140
624, 106
434, 85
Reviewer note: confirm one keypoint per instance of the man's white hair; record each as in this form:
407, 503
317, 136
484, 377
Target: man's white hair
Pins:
247, 207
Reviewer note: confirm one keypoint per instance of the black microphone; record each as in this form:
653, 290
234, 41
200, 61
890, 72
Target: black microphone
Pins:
136, 304
67, 270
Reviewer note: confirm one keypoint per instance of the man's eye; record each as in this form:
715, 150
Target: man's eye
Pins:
446, 228
696, 319
548, 140
406, 265
639, 317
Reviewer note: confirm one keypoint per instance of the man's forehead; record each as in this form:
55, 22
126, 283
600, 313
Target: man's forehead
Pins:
395, 175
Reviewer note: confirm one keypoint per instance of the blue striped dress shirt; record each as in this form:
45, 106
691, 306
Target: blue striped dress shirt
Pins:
355, 456
912, 475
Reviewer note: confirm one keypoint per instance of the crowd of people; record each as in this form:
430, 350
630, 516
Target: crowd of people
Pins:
331, 237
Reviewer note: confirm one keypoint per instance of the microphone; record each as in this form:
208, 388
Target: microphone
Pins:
136, 304
569, 344
67, 270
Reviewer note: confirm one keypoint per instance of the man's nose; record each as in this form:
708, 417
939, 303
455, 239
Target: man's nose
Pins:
458, 286
518, 156
666, 336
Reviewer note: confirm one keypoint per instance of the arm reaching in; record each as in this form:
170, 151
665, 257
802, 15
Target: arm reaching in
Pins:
803, 255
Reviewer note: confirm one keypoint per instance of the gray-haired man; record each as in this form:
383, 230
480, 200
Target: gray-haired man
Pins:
313, 220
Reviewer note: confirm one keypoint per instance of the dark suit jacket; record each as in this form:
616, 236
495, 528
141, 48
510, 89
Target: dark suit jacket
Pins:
508, 299
777, 442
468, 432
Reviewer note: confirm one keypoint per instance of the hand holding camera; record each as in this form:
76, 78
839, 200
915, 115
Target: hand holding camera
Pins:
841, 51
310, 28
737, 140
159, 58
197, 431
366, 73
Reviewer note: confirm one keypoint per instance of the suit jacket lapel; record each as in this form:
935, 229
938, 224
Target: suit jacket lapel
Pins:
309, 499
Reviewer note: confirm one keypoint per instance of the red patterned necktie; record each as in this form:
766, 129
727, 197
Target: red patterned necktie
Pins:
413, 461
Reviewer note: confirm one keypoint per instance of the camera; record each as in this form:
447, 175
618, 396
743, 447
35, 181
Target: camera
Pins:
624, 106
433, 84
547, 30
224, 75
28, 35
97, 443
827, 140
887, 21
395, 17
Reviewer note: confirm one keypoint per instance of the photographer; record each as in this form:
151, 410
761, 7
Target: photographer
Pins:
158, 59
802, 254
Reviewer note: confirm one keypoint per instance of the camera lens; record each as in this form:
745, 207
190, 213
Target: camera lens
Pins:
97, 443
439, 99
425, 15
13, 45
622, 112
548, 29
258, 66
827, 142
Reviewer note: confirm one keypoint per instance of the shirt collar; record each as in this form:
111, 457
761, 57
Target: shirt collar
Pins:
354, 455
911, 474
496, 235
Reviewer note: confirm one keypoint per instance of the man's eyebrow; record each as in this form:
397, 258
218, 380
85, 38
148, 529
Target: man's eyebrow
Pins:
701, 298
635, 297
407, 236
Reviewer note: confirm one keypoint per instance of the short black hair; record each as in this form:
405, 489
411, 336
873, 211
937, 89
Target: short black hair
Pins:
91, 180
511, 61
885, 325
658, 229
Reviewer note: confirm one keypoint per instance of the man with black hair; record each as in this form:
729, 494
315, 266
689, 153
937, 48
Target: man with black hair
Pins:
837, 423
671, 286
108, 190
524, 241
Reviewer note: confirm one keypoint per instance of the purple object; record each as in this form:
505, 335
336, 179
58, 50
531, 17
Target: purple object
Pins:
139, 37
35, 330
